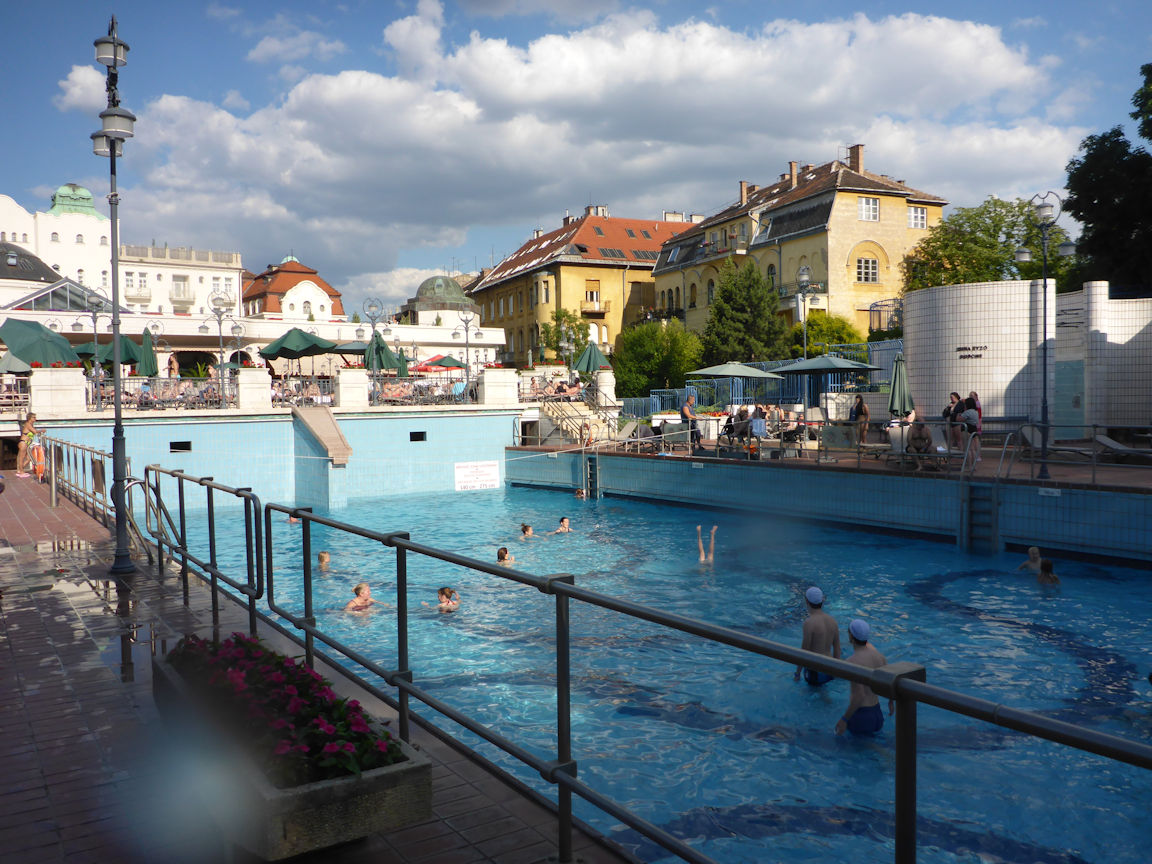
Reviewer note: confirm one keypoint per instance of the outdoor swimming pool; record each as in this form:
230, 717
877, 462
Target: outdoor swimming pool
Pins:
725, 749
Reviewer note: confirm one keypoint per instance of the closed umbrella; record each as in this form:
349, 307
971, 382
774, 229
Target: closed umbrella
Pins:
591, 359
32, 342
297, 343
402, 369
147, 365
379, 356
129, 351
900, 403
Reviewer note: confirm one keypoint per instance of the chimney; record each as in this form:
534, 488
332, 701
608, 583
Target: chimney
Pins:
673, 216
743, 192
537, 233
596, 210
856, 158
752, 187
792, 175
696, 218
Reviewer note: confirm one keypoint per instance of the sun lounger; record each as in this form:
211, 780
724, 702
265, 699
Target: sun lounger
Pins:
1120, 451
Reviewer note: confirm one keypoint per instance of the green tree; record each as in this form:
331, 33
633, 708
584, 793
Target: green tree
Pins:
654, 355
565, 325
1109, 187
823, 330
978, 244
743, 324
355, 319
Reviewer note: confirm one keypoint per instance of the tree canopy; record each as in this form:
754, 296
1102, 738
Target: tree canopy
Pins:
1109, 187
823, 330
654, 355
564, 325
978, 244
743, 324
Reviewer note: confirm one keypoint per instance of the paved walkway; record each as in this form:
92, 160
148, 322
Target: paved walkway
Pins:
84, 773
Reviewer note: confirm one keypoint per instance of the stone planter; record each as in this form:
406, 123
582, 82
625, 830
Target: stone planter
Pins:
279, 823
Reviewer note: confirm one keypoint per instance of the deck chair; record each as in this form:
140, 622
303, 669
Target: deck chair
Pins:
1032, 438
1120, 451
628, 430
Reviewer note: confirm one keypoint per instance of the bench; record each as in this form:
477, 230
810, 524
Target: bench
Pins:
674, 434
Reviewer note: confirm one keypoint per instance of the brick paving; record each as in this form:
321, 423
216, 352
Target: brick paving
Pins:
85, 767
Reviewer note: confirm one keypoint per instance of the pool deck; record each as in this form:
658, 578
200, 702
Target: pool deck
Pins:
83, 758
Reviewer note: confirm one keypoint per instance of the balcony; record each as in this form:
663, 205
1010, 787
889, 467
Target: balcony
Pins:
138, 292
181, 294
595, 308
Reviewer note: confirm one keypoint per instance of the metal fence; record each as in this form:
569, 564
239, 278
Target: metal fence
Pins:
155, 393
435, 390
14, 393
904, 683
304, 390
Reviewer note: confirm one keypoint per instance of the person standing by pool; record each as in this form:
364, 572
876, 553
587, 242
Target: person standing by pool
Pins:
688, 416
860, 415
711, 546
28, 433
863, 715
821, 636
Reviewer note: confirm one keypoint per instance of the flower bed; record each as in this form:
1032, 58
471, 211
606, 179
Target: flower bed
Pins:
295, 768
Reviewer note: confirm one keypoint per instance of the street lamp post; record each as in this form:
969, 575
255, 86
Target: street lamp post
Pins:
219, 306
804, 290
1046, 214
116, 127
95, 305
466, 319
374, 309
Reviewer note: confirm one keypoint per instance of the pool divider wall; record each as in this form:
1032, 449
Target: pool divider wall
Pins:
1083, 521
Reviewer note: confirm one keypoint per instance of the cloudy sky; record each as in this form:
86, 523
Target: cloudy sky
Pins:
382, 142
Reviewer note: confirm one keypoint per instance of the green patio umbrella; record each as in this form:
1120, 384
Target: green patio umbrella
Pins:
900, 403
378, 356
147, 365
350, 348
447, 361
823, 365
86, 349
402, 369
591, 359
32, 342
297, 343
732, 370
130, 352
11, 363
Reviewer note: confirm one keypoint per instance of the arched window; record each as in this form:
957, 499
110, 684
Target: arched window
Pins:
692, 296
306, 307
4, 237
771, 274
79, 238
55, 237
104, 278
25, 240
661, 299
676, 305
103, 240
711, 291
80, 276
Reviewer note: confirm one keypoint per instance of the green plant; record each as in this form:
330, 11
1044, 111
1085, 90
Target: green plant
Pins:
284, 713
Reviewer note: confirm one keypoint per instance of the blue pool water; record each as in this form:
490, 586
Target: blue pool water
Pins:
723, 748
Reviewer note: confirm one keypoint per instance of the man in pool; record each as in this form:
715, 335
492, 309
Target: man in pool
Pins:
564, 528
821, 636
863, 715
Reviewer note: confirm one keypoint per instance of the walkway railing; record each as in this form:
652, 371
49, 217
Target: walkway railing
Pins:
154, 393
904, 683
1102, 449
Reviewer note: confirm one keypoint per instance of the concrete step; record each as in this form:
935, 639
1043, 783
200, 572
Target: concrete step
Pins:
318, 420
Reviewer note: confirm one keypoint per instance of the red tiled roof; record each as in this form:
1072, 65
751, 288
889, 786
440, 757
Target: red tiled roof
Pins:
592, 239
277, 280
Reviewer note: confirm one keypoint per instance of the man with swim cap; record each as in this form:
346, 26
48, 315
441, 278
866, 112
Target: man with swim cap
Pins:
821, 636
863, 715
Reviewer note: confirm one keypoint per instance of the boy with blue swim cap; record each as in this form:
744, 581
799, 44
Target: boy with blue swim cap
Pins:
863, 715
821, 636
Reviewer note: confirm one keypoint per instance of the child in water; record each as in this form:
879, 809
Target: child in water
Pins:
323, 559
1047, 574
503, 556
447, 599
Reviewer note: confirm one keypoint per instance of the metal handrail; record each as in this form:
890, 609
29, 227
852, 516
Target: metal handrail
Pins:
902, 682
1030, 435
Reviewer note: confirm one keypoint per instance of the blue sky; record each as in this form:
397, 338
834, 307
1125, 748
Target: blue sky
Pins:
382, 142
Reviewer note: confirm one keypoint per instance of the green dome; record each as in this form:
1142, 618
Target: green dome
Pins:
288, 258
73, 198
440, 288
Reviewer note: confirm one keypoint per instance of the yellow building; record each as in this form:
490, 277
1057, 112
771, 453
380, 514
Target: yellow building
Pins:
596, 266
848, 226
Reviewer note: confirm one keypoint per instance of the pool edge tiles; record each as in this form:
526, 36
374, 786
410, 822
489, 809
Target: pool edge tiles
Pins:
1084, 522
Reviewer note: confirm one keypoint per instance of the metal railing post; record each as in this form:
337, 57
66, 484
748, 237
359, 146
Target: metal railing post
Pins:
402, 660
251, 545
887, 684
215, 582
52, 494
309, 619
183, 538
564, 718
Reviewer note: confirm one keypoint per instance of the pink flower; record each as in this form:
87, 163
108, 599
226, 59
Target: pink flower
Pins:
276, 677
236, 679
332, 747
283, 746
295, 704
290, 691
325, 727
349, 747
281, 723
357, 724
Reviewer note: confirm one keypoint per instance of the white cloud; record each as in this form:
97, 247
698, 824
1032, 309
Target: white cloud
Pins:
560, 10
1034, 23
352, 168
235, 101
393, 287
83, 90
221, 12
295, 46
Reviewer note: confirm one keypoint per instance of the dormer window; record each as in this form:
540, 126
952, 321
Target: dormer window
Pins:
103, 240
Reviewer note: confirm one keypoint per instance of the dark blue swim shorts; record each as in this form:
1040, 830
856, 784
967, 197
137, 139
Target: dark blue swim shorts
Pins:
866, 721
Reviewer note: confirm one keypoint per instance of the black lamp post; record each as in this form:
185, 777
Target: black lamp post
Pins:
466, 319
220, 307
1046, 215
804, 289
95, 306
117, 127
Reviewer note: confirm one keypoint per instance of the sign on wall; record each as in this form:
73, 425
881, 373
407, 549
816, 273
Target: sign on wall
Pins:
477, 475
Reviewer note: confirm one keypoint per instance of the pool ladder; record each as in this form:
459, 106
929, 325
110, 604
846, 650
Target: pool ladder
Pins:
981, 532
592, 476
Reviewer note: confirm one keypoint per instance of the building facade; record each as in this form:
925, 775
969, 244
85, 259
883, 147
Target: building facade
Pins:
850, 227
596, 266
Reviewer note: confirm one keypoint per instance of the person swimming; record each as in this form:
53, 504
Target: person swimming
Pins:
503, 556
564, 528
1032, 563
821, 636
1047, 574
705, 559
363, 600
526, 531
447, 600
323, 560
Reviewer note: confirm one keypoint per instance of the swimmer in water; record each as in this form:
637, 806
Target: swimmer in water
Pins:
323, 559
863, 715
447, 600
363, 600
564, 528
503, 556
1032, 564
526, 531
706, 559
821, 636
1047, 573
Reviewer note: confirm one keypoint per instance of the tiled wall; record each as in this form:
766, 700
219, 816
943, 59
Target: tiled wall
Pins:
282, 462
1118, 361
979, 337
1102, 523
